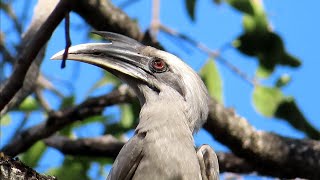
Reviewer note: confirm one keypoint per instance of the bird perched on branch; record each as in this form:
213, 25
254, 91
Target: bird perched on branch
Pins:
174, 105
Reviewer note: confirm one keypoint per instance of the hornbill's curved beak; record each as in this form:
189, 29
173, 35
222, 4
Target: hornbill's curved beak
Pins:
121, 56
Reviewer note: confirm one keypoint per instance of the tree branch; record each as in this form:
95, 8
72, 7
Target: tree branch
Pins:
108, 147
102, 15
14, 169
292, 157
59, 119
103, 146
26, 57
41, 12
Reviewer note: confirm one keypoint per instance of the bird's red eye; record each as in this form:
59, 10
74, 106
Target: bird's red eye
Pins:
158, 65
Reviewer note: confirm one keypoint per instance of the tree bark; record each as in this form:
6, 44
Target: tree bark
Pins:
14, 169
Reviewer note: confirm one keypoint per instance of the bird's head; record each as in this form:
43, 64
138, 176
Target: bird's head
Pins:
152, 73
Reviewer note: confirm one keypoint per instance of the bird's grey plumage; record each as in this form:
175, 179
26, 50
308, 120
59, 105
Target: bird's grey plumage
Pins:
174, 104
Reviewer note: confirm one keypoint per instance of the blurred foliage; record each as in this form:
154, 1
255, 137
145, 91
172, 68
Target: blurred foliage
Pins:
72, 168
191, 6
283, 80
29, 104
129, 119
289, 111
32, 156
259, 41
266, 100
271, 102
5, 120
211, 77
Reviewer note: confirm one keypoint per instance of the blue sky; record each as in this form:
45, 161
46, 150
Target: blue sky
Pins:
215, 26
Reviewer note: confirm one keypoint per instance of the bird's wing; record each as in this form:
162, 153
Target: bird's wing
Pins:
208, 163
128, 159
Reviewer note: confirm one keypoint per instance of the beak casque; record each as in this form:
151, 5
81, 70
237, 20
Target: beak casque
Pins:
119, 56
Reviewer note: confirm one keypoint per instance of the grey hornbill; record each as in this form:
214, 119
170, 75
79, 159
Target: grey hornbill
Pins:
174, 105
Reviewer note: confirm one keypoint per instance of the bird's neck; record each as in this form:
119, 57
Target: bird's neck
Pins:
165, 114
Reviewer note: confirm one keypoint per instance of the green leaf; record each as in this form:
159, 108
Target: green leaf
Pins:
127, 117
283, 80
263, 72
268, 48
72, 168
191, 5
5, 120
211, 77
289, 111
34, 154
107, 78
242, 5
266, 100
28, 104
290, 60
67, 102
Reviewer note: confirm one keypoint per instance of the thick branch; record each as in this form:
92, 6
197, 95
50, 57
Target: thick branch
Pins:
59, 119
13, 169
109, 147
104, 146
102, 15
290, 157
15, 82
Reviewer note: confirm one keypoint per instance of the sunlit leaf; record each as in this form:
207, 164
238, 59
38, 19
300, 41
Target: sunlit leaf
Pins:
211, 77
191, 5
263, 72
266, 100
5, 120
34, 154
283, 80
127, 117
28, 104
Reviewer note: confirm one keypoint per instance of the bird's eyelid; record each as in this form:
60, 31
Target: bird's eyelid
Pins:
158, 65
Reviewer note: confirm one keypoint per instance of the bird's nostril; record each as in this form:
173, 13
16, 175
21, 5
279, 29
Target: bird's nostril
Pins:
97, 53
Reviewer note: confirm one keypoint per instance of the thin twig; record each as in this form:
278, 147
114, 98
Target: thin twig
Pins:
39, 96
210, 53
43, 82
21, 125
8, 9
155, 20
26, 57
59, 119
